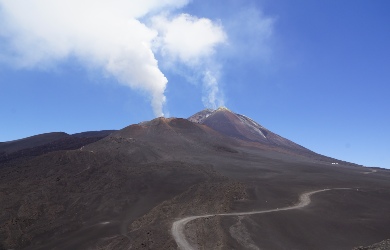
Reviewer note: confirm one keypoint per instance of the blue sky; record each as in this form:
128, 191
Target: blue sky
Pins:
315, 72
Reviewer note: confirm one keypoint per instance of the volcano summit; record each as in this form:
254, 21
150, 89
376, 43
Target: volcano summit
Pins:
217, 180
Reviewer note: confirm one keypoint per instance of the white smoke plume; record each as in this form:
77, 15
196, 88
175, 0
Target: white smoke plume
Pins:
192, 41
188, 39
120, 37
212, 97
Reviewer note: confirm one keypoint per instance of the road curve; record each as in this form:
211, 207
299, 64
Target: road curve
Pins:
178, 226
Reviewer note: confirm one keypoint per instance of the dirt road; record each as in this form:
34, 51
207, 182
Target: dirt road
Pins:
178, 226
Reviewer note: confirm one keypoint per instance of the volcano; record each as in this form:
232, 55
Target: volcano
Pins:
241, 127
217, 180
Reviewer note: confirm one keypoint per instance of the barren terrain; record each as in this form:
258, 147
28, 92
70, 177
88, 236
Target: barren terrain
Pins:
126, 190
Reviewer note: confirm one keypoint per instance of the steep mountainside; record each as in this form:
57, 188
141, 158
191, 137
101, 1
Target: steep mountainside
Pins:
30, 142
239, 126
49, 142
124, 191
244, 128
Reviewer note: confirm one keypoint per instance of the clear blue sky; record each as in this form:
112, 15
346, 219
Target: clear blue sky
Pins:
315, 72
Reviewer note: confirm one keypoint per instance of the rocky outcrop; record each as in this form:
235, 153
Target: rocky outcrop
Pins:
383, 245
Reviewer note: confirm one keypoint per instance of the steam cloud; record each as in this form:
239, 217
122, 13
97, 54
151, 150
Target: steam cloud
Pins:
121, 37
212, 96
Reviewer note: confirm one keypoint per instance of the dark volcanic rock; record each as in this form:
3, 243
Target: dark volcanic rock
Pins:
30, 142
45, 143
384, 245
125, 190
96, 134
244, 128
241, 127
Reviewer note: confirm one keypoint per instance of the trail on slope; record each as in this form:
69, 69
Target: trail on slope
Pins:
371, 171
179, 225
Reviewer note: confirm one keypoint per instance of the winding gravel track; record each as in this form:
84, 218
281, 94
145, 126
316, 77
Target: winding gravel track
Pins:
178, 226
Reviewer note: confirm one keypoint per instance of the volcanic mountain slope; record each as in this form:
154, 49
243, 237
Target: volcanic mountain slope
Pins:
30, 142
244, 128
125, 191
239, 126
48, 142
